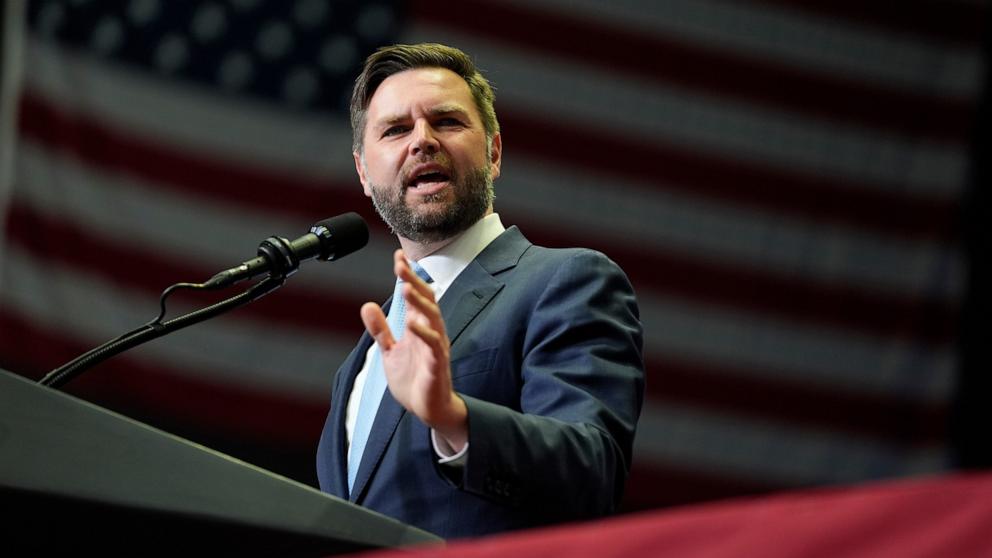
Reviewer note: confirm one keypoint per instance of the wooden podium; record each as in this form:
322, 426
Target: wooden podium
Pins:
75, 477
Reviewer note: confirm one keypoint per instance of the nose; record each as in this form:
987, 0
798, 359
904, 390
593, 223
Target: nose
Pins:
423, 140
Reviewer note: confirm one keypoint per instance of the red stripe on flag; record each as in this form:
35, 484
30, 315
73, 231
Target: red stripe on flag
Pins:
232, 182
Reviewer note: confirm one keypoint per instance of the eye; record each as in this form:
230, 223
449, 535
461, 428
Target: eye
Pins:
394, 130
449, 121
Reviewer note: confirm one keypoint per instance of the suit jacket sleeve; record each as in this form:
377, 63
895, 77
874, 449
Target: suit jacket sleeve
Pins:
566, 450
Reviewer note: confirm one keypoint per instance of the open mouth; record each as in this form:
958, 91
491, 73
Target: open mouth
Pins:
431, 178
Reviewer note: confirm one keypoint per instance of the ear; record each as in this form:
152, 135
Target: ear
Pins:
497, 154
361, 173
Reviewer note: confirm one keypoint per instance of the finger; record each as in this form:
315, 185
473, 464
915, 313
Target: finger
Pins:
376, 325
425, 307
432, 337
400, 265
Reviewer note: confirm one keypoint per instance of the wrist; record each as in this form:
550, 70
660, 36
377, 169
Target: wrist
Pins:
454, 427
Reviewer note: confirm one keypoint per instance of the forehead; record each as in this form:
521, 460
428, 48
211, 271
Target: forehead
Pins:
420, 89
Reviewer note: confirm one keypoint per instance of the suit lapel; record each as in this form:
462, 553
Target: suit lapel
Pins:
477, 284
387, 418
474, 288
466, 298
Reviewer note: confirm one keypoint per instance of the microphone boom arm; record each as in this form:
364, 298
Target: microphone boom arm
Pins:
156, 328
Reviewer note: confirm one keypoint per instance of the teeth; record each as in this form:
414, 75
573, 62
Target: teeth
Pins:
428, 177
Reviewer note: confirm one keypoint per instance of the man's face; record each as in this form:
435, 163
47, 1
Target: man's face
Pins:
425, 162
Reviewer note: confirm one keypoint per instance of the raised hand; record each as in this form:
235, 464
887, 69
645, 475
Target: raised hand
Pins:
418, 366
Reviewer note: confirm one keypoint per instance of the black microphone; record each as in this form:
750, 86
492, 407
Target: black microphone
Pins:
327, 240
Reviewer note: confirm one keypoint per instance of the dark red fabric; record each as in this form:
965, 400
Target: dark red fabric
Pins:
930, 517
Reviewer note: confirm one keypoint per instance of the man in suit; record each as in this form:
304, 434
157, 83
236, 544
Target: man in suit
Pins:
516, 378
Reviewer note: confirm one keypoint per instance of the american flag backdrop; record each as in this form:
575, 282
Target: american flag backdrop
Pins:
780, 180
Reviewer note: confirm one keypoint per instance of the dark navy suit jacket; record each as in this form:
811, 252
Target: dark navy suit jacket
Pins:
546, 351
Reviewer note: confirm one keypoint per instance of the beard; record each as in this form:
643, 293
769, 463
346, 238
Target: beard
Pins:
435, 220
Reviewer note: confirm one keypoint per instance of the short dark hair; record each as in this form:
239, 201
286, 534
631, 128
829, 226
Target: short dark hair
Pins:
394, 59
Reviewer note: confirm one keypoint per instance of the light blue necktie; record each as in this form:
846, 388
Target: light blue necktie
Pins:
375, 383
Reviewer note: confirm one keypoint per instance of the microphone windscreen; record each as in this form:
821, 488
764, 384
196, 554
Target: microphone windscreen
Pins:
347, 233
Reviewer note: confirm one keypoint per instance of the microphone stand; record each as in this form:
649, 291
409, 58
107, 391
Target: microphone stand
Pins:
156, 328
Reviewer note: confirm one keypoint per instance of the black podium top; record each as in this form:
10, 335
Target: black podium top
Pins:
77, 477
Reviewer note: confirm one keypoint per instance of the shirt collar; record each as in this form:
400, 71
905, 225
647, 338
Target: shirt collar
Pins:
446, 264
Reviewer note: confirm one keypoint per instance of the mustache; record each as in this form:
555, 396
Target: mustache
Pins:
438, 159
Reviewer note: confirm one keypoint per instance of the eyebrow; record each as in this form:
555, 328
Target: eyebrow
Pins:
448, 108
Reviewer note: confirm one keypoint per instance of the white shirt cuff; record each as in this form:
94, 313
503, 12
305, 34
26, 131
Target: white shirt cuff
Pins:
446, 454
